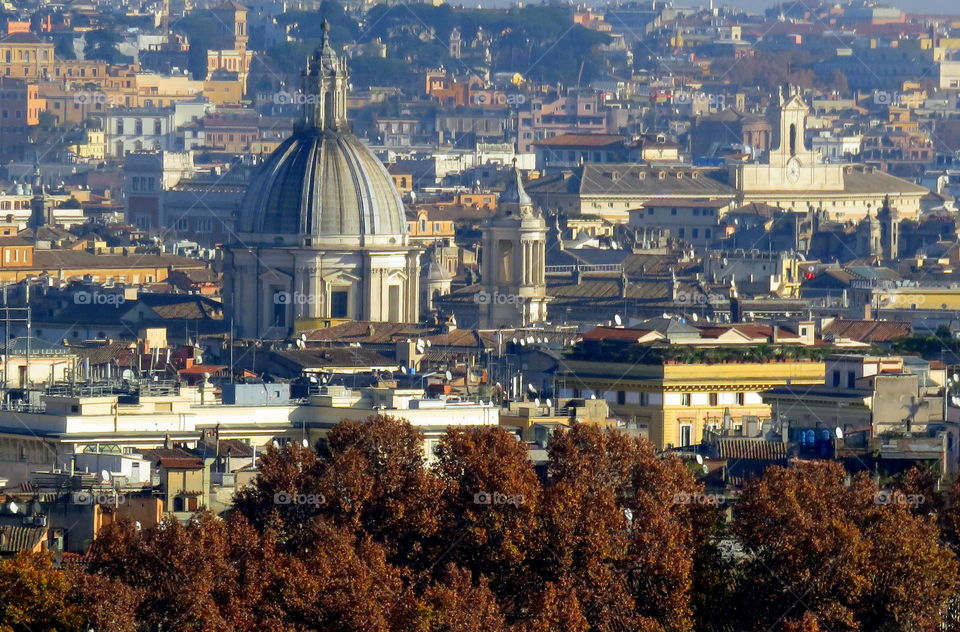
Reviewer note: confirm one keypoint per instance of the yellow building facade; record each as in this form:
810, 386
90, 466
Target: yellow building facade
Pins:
675, 403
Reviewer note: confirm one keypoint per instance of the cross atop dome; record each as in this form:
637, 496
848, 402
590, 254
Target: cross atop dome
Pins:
326, 53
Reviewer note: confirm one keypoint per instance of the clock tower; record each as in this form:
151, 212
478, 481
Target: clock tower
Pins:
791, 167
794, 177
788, 144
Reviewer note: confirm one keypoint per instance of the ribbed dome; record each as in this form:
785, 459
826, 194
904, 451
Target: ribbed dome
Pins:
322, 183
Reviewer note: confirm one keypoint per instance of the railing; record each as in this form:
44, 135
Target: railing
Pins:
598, 267
22, 406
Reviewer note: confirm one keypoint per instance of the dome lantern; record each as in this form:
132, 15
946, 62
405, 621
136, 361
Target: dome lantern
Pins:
325, 78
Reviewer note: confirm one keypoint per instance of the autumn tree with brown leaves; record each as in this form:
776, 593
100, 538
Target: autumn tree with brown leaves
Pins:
612, 536
817, 545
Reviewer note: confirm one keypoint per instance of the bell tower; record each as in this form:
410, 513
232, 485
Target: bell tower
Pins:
790, 130
514, 288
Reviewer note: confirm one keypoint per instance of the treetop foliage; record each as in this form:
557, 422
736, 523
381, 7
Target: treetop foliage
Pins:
361, 534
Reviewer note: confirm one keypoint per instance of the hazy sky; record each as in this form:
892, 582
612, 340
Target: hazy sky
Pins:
914, 6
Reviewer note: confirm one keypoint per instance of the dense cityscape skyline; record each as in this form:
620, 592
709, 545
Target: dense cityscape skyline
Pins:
372, 316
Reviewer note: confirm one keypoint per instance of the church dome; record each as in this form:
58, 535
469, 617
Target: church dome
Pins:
322, 182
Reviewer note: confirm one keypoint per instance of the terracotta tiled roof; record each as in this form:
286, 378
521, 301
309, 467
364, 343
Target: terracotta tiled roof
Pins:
14, 538
186, 463
200, 369
868, 330
360, 331
751, 449
581, 140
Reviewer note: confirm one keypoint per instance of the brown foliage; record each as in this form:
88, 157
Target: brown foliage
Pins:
613, 538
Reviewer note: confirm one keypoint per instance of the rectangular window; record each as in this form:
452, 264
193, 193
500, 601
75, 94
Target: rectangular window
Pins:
714, 399
280, 300
686, 435
685, 399
339, 303
741, 399
621, 398
851, 379
836, 378
393, 304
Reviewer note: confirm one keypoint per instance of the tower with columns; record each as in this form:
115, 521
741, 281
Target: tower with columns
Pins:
513, 278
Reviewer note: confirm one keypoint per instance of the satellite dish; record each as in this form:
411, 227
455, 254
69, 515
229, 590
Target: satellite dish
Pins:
127, 374
300, 344
105, 476
276, 444
305, 443
403, 370
838, 432
956, 378
514, 341
530, 339
420, 345
13, 507
694, 317
617, 319
429, 343
700, 459
523, 342
593, 395
448, 375
198, 359
549, 403
706, 470
303, 337
137, 525
536, 402
628, 514
532, 389
955, 400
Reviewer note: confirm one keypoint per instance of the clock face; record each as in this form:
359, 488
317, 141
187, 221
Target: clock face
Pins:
793, 170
